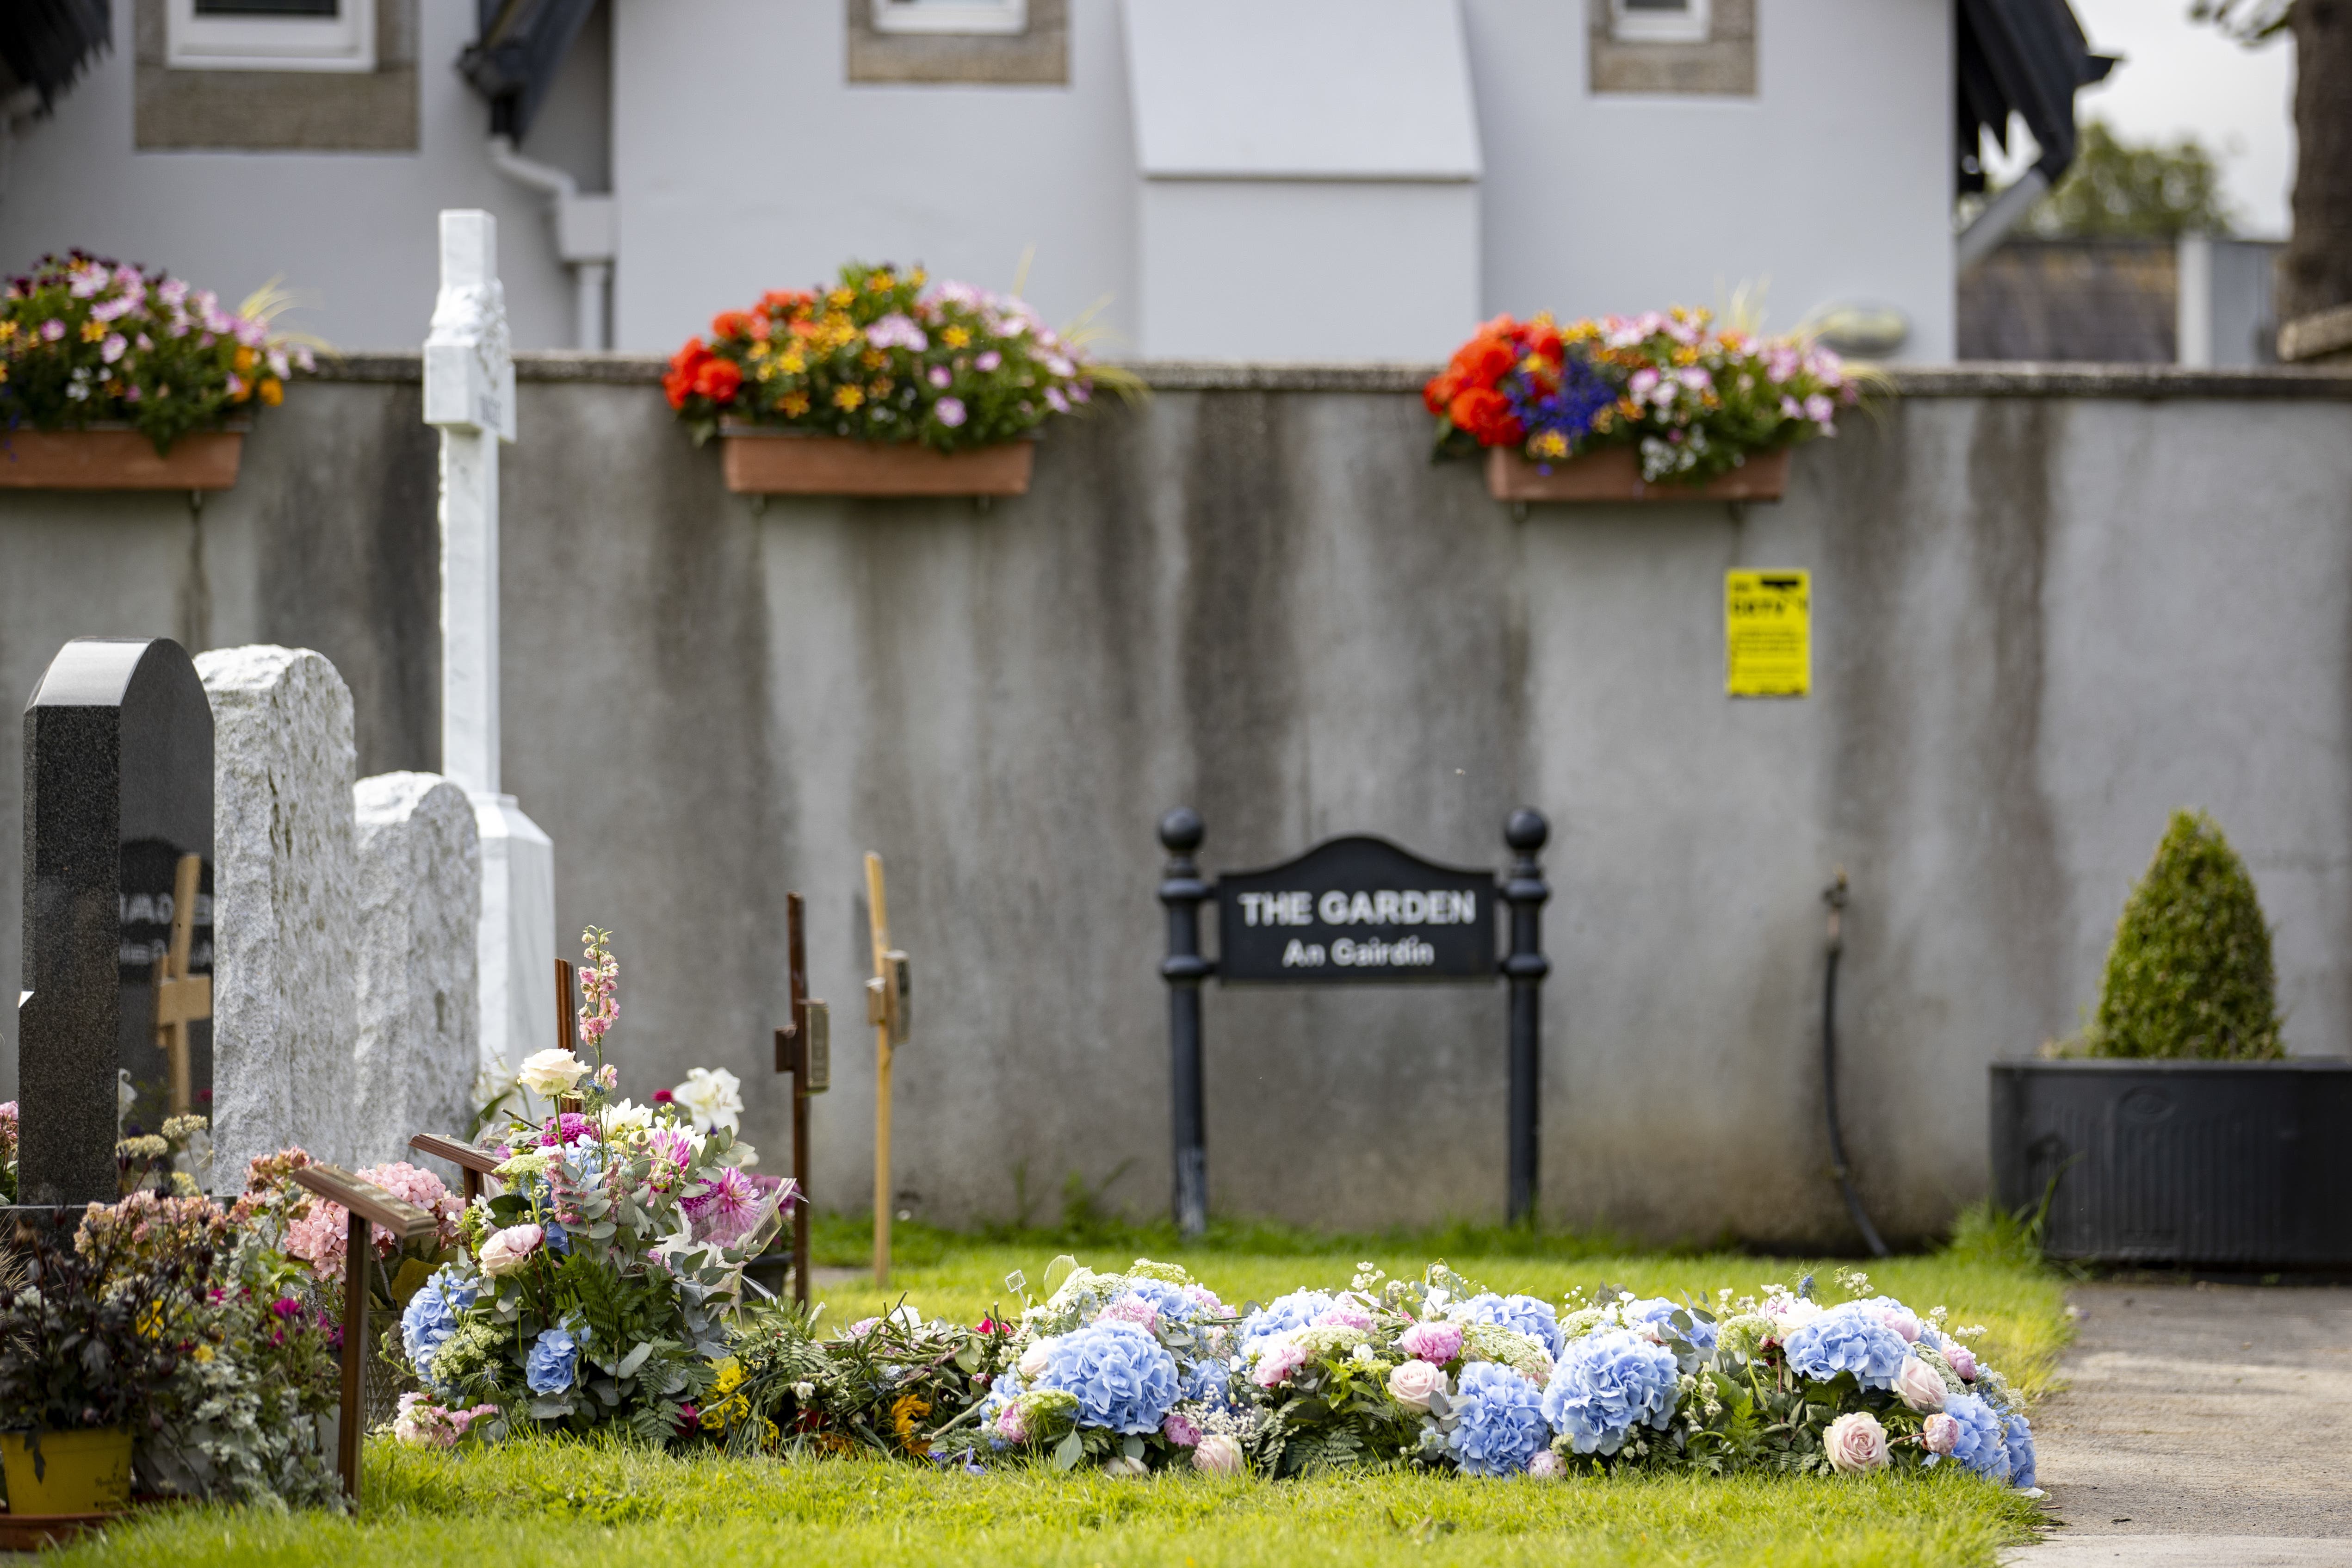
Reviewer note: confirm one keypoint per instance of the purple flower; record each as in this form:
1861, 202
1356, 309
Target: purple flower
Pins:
1056, 401
52, 330
949, 411
898, 331
728, 1209
939, 376
988, 359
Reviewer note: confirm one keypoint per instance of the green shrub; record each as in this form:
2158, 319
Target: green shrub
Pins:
2189, 972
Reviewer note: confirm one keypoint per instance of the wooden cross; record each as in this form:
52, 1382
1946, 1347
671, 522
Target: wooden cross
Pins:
366, 1204
181, 998
804, 1049
472, 1164
888, 1008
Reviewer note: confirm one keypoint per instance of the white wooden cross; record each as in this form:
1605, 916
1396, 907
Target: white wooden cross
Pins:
470, 394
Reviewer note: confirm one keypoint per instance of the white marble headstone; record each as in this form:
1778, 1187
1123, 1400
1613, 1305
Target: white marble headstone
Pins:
283, 880
420, 900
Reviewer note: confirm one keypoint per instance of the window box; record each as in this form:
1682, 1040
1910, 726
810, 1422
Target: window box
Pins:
118, 459
760, 460
1615, 474
2172, 1163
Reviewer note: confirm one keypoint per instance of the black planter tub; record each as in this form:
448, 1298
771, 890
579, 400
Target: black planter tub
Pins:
2220, 1164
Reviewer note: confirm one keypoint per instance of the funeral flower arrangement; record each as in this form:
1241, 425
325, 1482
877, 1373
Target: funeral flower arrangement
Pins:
1148, 1370
1695, 400
878, 358
595, 1286
85, 340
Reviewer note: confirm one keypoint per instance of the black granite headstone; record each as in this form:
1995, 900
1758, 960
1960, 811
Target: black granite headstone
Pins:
118, 787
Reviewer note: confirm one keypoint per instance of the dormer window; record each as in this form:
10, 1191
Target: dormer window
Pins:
1660, 21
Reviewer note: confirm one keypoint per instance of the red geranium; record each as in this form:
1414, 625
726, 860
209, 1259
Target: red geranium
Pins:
718, 380
1486, 415
732, 324
684, 365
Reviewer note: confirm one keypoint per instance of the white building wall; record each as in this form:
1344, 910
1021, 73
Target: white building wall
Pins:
745, 161
352, 234
1833, 184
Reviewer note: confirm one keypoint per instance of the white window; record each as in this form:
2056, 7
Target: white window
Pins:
272, 34
1660, 21
950, 15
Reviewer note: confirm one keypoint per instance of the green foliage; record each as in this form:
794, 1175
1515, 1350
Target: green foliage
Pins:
2190, 972
2114, 190
1986, 1232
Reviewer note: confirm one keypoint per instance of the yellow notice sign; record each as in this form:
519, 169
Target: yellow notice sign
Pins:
1768, 642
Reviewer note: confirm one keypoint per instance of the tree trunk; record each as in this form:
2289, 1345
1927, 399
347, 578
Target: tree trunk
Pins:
2317, 271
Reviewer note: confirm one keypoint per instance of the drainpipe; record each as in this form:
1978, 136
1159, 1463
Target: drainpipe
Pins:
583, 237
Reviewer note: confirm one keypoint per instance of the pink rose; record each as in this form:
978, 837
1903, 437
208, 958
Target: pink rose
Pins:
1413, 1382
1855, 1443
1439, 1342
1012, 1423
1035, 1359
1942, 1435
1545, 1466
1962, 1361
509, 1249
1917, 1384
1131, 1309
1344, 1314
1180, 1431
1277, 1361
1218, 1455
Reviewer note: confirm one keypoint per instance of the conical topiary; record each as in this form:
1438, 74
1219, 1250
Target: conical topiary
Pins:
2189, 972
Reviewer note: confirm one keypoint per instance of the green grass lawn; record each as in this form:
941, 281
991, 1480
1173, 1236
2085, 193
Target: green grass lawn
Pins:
542, 1501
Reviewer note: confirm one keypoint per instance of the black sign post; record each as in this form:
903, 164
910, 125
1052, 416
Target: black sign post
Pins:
1356, 910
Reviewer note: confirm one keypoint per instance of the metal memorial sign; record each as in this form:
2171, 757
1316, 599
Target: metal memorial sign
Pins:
1353, 911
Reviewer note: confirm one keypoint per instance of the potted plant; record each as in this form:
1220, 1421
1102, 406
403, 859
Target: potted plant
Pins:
876, 387
2174, 1130
1652, 407
115, 378
90, 1331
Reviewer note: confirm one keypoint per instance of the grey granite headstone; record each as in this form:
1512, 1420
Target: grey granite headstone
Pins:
283, 993
420, 904
118, 787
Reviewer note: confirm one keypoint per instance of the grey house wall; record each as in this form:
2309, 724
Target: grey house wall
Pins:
2049, 608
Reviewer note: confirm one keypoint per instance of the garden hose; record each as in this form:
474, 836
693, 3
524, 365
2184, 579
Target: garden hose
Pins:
1834, 897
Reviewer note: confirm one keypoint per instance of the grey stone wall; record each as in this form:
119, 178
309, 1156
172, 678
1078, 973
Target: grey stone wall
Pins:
2049, 607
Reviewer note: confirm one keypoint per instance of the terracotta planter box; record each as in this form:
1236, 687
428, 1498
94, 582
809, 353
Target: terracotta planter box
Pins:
1615, 474
786, 463
118, 460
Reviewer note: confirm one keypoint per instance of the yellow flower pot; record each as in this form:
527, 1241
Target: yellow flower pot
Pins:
81, 1472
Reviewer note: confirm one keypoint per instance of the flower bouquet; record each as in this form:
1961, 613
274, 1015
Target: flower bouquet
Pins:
1602, 409
904, 381
86, 343
593, 1289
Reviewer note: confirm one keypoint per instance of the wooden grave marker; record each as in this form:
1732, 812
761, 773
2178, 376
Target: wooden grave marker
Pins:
366, 1205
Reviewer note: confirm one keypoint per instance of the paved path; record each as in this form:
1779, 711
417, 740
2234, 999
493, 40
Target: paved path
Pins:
2207, 1424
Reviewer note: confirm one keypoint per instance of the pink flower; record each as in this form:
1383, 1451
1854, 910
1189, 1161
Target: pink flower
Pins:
1855, 1443
1961, 1360
425, 1425
1344, 1313
1642, 383
608, 1078
939, 376
319, 1237
1437, 1342
989, 358
1012, 1422
52, 330
509, 1249
1413, 1382
1132, 1309
730, 1207
1277, 1361
1180, 1431
1920, 1385
950, 411
1901, 1320
1218, 1455
1942, 1435
1544, 1465
1202, 1296
1056, 401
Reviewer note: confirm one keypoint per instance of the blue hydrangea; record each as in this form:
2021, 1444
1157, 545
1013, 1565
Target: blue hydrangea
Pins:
1210, 1382
1658, 1309
1282, 1314
1525, 1313
1169, 1301
2018, 1434
1123, 1379
1848, 1339
554, 1356
1608, 1383
431, 1316
1982, 1446
1498, 1421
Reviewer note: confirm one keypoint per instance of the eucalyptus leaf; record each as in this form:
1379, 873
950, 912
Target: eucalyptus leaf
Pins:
1061, 1268
1068, 1452
634, 1359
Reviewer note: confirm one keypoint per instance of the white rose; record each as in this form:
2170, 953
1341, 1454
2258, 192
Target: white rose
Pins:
1920, 1385
1413, 1382
508, 1250
1855, 1443
1219, 1455
550, 1072
1033, 1359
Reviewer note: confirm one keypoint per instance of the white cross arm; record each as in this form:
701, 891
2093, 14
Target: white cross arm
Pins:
470, 380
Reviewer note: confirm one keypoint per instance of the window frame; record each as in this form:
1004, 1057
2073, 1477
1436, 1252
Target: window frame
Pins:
345, 42
1692, 24
967, 18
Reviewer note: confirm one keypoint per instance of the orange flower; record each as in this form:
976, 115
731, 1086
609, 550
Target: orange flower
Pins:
718, 380
684, 365
731, 324
1486, 415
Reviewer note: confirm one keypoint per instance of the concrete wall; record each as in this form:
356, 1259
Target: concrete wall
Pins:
2048, 610
742, 159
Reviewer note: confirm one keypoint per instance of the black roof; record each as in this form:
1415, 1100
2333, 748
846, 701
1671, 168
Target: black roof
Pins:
2028, 57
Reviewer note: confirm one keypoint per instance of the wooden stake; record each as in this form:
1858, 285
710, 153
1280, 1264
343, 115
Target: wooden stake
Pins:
877, 921
366, 1205
797, 1050
567, 1029
181, 998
